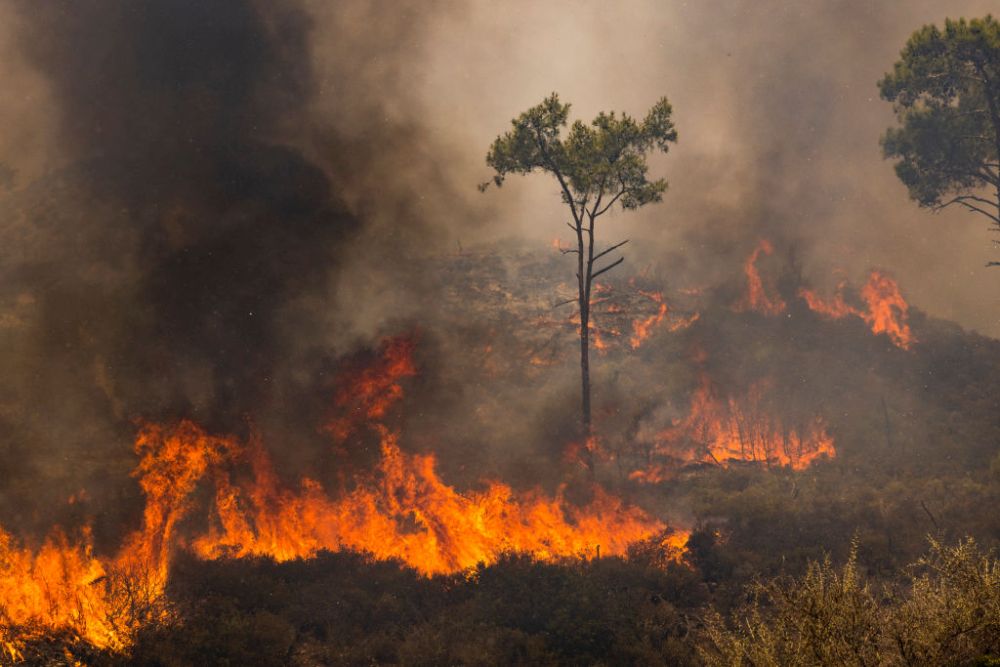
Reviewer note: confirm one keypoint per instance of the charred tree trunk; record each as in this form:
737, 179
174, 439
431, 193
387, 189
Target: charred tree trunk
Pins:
585, 253
585, 275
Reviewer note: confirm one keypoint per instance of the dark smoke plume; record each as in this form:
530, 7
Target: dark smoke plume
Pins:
168, 261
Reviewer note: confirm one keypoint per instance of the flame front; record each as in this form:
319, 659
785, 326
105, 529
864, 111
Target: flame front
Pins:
402, 509
104, 600
405, 511
887, 310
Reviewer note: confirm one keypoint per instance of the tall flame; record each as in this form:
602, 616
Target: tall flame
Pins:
886, 310
104, 600
757, 297
403, 509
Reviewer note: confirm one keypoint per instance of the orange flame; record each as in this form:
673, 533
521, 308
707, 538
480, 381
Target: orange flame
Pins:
887, 310
596, 333
757, 298
55, 586
675, 544
63, 585
405, 511
371, 390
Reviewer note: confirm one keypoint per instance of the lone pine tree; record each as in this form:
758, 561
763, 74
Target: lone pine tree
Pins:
596, 167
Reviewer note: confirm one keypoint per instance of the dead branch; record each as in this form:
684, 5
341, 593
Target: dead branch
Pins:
608, 268
612, 248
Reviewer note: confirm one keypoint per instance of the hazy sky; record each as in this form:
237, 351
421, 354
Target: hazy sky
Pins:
779, 120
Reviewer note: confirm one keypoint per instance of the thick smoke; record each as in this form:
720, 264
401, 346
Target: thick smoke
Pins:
178, 253
171, 112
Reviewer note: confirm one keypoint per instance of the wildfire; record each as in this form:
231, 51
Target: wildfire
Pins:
886, 310
402, 509
757, 297
586, 452
612, 307
597, 334
675, 544
722, 432
56, 586
835, 308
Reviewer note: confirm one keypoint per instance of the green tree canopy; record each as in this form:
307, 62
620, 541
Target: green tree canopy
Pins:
945, 90
597, 165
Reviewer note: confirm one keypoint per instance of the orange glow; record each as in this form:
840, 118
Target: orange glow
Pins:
57, 585
585, 453
886, 310
675, 544
683, 322
722, 432
597, 334
757, 297
835, 308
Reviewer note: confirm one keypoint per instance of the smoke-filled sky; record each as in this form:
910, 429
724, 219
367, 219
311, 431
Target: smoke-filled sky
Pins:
776, 105
204, 204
